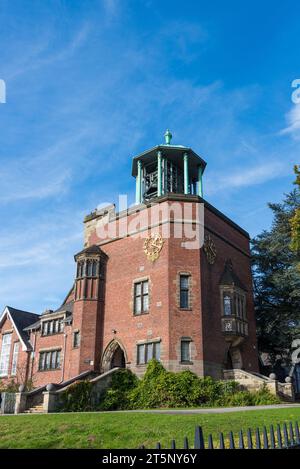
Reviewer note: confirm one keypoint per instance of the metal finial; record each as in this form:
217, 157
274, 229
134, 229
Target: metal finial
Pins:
168, 137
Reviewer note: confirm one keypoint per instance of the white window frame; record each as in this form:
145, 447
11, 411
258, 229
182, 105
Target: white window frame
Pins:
15, 359
5, 354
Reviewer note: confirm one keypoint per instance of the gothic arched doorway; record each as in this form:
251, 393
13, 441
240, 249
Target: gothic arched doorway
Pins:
114, 356
233, 359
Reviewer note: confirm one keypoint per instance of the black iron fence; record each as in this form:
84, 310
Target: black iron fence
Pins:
286, 436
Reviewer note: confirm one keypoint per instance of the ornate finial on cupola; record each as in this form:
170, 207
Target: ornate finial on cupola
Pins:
168, 137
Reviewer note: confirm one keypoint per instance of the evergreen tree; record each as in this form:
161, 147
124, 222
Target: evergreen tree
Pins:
277, 281
295, 220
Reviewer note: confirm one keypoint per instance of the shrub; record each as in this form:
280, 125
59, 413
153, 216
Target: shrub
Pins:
77, 397
117, 396
264, 397
240, 398
163, 389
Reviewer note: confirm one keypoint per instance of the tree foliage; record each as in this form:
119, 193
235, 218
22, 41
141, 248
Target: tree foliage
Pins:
277, 281
295, 220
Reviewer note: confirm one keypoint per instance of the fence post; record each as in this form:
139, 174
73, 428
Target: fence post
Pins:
222, 444
231, 441
241, 440
257, 439
265, 438
249, 439
279, 437
185, 443
272, 437
210, 442
291, 432
297, 433
199, 440
285, 436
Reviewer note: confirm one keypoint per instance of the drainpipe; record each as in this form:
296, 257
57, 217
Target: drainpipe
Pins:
33, 356
63, 363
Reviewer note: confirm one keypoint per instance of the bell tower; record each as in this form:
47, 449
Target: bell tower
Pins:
167, 168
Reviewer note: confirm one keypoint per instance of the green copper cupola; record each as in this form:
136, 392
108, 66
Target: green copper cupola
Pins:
167, 168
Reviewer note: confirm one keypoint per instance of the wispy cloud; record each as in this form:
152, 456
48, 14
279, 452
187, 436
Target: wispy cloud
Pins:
246, 177
293, 123
38, 56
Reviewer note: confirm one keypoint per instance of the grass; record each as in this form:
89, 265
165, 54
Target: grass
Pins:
127, 430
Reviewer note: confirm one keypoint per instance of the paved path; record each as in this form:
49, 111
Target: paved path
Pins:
216, 410
206, 410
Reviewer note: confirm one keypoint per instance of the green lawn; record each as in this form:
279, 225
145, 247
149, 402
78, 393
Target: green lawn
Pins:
126, 430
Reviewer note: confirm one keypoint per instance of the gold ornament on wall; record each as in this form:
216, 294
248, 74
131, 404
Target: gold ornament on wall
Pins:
152, 246
210, 249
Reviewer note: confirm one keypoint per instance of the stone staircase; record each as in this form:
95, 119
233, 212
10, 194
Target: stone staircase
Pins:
256, 381
37, 409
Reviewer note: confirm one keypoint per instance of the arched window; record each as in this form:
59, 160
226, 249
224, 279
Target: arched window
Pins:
227, 305
89, 268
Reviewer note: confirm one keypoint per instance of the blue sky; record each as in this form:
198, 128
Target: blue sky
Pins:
92, 83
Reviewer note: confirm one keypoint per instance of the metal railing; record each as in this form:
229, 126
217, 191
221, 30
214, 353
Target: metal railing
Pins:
286, 436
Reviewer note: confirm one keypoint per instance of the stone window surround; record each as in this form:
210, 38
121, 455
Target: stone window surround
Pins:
75, 331
189, 275
52, 319
186, 362
135, 281
155, 340
50, 349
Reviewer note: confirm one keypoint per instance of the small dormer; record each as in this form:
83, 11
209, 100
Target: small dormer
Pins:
166, 169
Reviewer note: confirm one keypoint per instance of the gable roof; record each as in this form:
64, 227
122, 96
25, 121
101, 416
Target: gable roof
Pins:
20, 319
94, 249
229, 277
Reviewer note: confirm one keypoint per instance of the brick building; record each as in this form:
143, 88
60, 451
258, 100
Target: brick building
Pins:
142, 289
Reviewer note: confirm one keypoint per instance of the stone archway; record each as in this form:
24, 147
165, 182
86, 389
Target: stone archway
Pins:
113, 356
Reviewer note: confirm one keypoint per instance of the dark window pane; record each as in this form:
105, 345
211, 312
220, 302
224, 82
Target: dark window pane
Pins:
149, 352
94, 269
156, 353
145, 303
89, 268
184, 291
185, 351
184, 299
138, 305
141, 354
227, 305
138, 289
184, 281
58, 359
53, 360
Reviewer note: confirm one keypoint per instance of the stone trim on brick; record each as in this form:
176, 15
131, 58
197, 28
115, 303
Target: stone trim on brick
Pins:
131, 303
191, 296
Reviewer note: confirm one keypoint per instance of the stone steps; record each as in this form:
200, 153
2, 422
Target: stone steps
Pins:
37, 409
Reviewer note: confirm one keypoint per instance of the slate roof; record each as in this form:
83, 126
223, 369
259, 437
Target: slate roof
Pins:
22, 319
229, 277
68, 307
65, 307
94, 249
